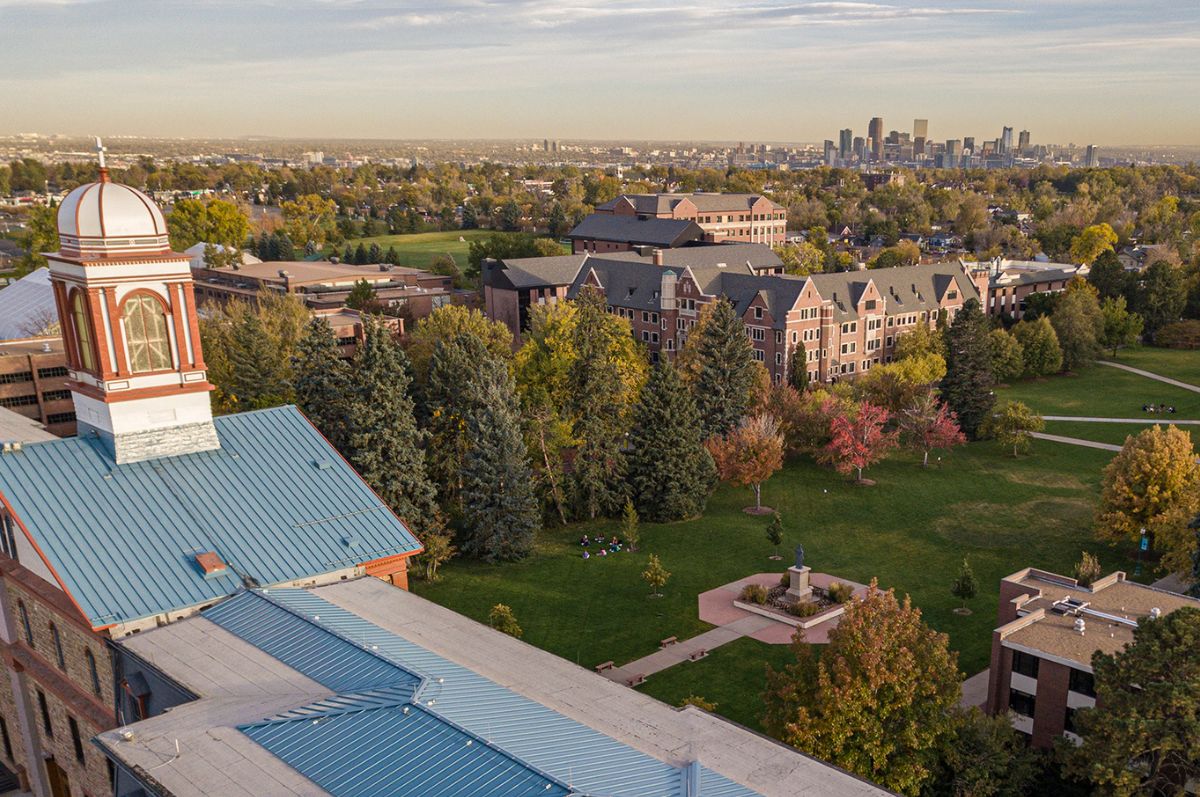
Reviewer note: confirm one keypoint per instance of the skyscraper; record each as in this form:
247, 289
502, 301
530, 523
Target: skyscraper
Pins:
969, 144
953, 156
875, 133
920, 128
845, 143
1023, 141
1092, 160
1006, 141
860, 148
830, 153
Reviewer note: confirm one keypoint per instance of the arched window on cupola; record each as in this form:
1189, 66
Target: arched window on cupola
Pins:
81, 319
146, 334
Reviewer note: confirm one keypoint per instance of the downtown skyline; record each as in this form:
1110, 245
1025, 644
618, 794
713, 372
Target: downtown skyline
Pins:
1073, 72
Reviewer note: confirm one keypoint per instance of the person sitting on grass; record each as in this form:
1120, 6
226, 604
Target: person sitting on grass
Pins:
587, 555
602, 552
585, 542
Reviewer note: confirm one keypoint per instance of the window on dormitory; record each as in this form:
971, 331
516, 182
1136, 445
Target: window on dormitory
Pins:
1025, 664
1021, 702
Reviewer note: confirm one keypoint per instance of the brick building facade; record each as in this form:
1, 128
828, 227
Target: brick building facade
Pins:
749, 218
33, 383
846, 323
1048, 628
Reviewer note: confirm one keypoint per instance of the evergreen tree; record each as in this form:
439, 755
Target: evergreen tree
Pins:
455, 365
469, 219
382, 439
392, 256
798, 369
375, 254
965, 586
598, 406
557, 223
967, 386
321, 377
1108, 276
263, 247
361, 296
500, 511
1161, 296
670, 471
348, 255
360, 254
258, 372
282, 246
726, 378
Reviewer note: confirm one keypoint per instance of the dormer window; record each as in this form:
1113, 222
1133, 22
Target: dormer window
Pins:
146, 333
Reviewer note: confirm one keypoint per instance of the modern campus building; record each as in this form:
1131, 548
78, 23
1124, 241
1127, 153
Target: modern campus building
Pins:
1049, 626
845, 322
1012, 282
33, 382
156, 509
357, 690
749, 218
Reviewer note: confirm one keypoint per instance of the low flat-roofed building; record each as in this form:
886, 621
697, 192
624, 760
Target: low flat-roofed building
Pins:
355, 689
1049, 628
1011, 282
326, 286
33, 383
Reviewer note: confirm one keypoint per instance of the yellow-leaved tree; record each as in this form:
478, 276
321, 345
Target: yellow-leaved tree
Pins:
1153, 484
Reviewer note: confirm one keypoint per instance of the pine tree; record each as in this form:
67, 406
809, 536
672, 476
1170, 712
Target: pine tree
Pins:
455, 365
392, 256
360, 254
383, 441
670, 471
258, 376
263, 247
375, 254
965, 586
967, 386
775, 533
597, 404
469, 219
726, 371
798, 369
500, 511
282, 246
321, 377
348, 255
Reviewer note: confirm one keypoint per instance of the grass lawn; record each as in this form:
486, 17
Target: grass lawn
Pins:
419, 249
1114, 433
911, 530
1173, 363
1100, 391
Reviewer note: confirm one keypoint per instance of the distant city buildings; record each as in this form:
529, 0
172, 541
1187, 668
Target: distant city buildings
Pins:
875, 135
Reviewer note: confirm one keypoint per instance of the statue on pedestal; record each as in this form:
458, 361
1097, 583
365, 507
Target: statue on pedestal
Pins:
799, 556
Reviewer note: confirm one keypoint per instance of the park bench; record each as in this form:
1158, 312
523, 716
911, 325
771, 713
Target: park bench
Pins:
635, 680
608, 665
668, 642
696, 655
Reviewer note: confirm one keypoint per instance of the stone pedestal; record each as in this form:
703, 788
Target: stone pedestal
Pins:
798, 587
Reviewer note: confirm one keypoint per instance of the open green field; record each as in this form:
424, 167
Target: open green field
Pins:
1173, 363
1104, 392
419, 249
1114, 433
911, 531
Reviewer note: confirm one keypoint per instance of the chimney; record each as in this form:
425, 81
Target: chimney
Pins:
657, 254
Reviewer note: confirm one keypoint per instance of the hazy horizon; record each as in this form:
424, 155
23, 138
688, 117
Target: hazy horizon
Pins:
1070, 71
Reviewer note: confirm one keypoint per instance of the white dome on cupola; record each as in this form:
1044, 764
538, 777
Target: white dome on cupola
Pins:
107, 219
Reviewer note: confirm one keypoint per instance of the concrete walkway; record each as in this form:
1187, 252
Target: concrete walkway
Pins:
682, 651
1150, 375
1164, 419
1074, 441
974, 690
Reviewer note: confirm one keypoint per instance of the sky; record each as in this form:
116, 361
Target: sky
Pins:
1070, 71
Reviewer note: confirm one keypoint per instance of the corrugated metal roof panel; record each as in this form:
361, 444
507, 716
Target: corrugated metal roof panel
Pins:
124, 544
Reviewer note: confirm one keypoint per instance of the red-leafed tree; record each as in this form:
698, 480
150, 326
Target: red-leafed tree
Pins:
749, 454
928, 424
859, 439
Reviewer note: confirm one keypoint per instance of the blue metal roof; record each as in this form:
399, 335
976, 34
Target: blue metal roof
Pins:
586, 760
276, 502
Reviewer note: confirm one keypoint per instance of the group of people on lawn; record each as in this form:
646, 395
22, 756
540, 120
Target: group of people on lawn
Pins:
1152, 408
603, 548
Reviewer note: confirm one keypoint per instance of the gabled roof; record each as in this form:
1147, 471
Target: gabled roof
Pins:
904, 288
705, 202
634, 230
27, 306
275, 502
485, 705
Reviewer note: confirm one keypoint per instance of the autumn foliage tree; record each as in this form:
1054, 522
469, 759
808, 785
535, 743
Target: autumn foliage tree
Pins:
928, 424
879, 699
749, 454
1153, 484
860, 439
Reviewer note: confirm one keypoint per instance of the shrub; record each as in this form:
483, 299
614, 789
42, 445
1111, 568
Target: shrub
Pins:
1179, 335
785, 579
839, 592
501, 618
698, 702
803, 609
754, 593
1087, 569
